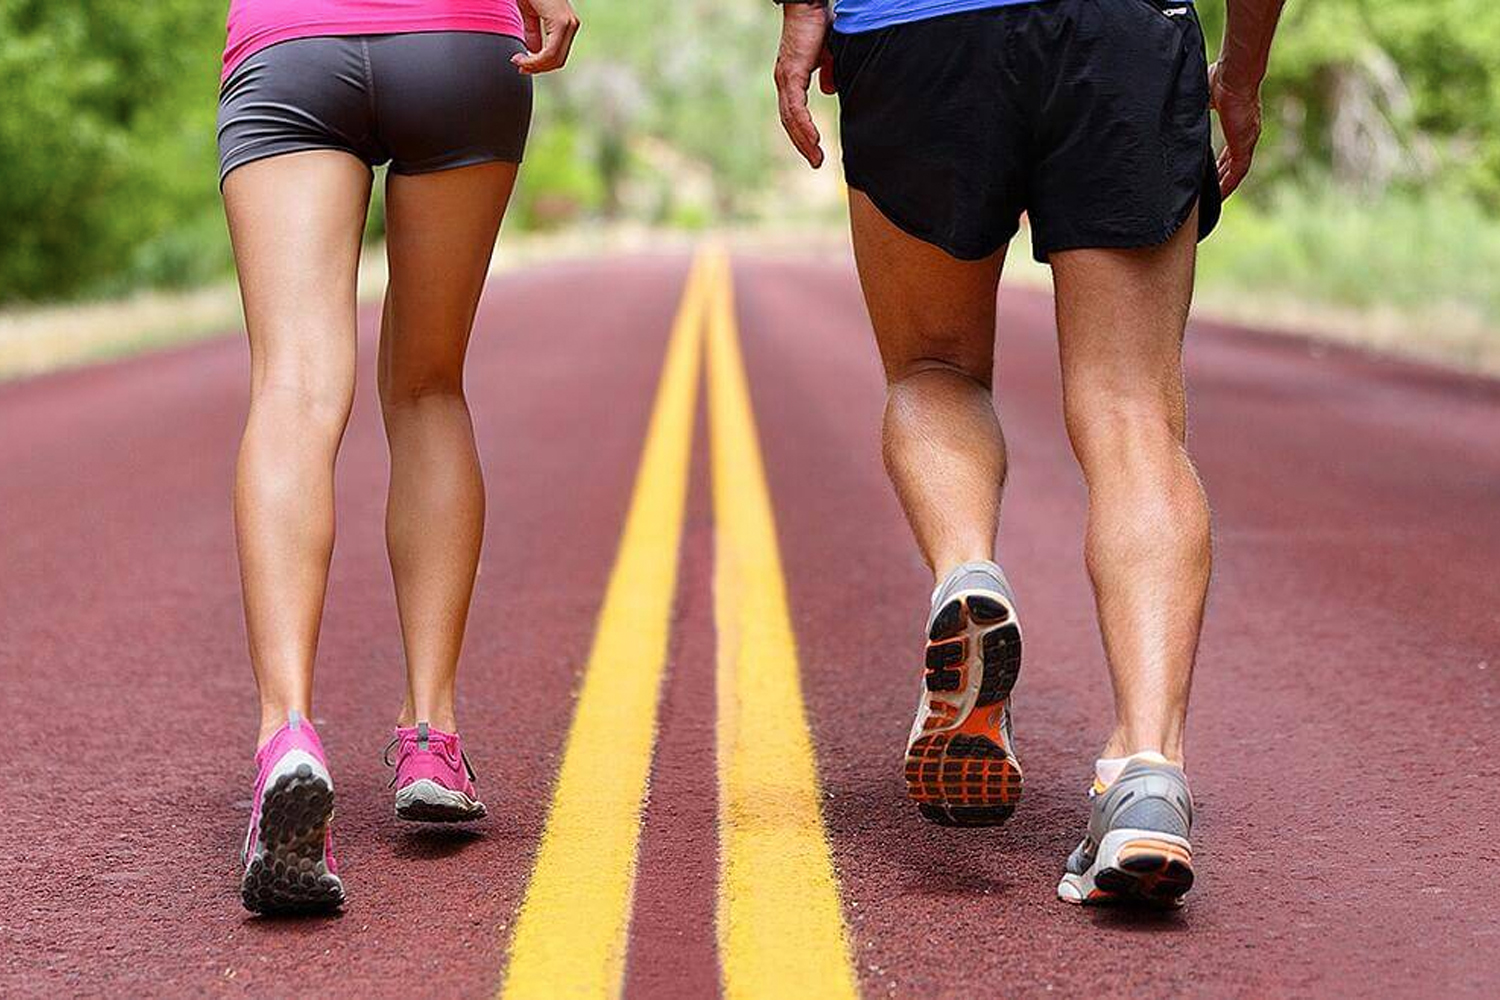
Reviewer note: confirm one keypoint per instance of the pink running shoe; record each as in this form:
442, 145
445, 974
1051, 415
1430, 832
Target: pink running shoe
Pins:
288, 855
434, 782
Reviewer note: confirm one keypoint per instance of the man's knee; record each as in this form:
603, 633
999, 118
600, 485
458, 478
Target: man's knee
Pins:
942, 356
1107, 423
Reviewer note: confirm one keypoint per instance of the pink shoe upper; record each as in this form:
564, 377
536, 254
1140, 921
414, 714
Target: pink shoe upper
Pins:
297, 734
426, 753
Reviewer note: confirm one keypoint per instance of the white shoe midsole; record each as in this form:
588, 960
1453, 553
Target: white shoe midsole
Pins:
963, 702
429, 793
1078, 888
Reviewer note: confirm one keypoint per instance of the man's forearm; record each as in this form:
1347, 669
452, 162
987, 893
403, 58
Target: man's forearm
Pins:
1248, 30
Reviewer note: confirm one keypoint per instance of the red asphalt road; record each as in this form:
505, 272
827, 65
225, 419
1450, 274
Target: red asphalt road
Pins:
1343, 740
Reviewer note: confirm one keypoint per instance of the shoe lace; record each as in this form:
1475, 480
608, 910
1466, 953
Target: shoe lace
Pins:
387, 758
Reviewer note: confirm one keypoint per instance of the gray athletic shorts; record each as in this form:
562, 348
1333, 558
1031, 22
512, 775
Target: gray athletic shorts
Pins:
422, 101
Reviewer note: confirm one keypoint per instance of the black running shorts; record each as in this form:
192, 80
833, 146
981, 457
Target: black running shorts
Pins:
421, 101
1091, 116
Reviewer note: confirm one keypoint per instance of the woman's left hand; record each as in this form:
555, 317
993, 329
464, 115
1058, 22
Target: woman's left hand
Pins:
550, 27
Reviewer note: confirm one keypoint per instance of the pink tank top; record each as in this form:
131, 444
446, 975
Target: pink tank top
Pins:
255, 24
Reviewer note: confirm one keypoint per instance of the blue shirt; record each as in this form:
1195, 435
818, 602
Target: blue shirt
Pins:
852, 16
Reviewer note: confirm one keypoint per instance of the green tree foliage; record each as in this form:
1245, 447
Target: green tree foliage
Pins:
1376, 95
107, 144
107, 161
656, 86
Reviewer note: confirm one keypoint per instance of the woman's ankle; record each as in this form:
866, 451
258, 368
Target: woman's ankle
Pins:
441, 717
274, 717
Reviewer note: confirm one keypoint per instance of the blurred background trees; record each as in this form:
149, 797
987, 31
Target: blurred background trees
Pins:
107, 174
1383, 126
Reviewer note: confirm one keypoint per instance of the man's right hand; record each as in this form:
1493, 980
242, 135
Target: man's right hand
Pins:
1234, 83
804, 48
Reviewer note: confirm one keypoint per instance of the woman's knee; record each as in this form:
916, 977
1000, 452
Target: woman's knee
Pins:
402, 387
316, 399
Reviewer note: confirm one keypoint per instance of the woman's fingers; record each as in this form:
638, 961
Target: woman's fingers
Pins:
550, 39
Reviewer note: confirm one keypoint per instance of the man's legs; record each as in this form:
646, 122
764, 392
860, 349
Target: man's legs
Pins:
934, 320
1120, 319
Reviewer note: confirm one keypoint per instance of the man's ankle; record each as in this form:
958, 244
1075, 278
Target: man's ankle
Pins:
943, 568
1122, 745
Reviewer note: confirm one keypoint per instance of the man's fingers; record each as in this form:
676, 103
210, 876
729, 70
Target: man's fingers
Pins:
1237, 172
791, 89
825, 73
803, 133
1232, 170
1240, 122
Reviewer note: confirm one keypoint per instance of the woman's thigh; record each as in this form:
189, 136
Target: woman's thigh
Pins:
296, 222
440, 232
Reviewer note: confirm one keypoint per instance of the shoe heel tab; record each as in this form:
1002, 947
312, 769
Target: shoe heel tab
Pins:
422, 731
294, 720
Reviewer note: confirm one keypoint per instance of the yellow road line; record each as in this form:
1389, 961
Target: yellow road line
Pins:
571, 934
780, 922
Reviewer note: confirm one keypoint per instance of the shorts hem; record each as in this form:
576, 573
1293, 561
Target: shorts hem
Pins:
960, 251
454, 163
266, 153
1082, 239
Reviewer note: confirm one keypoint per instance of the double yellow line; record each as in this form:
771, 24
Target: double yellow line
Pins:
780, 923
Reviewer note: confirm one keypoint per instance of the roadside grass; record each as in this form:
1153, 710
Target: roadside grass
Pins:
1415, 274
39, 339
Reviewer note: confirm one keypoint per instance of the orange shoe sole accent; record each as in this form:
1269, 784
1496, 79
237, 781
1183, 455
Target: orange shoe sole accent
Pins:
1150, 854
1150, 870
962, 780
963, 774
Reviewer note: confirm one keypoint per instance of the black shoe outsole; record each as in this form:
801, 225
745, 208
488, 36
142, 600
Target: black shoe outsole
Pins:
960, 779
426, 812
1145, 879
1000, 648
965, 815
286, 873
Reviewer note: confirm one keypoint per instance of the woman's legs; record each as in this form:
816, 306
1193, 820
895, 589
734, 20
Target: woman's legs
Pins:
440, 230
296, 223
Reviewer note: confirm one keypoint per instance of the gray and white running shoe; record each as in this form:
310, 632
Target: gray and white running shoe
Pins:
1137, 847
961, 766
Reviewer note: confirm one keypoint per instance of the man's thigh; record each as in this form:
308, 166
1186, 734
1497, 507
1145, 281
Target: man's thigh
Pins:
1120, 321
929, 309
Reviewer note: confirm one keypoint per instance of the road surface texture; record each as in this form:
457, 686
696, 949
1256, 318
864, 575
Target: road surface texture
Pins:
692, 661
